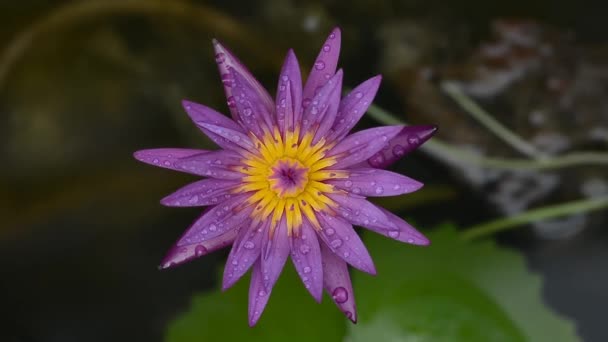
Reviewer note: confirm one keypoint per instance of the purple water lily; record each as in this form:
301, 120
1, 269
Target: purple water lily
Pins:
289, 179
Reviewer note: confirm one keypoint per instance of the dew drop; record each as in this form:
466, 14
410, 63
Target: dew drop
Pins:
326, 48
320, 65
340, 295
356, 191
262, 293
247, 111
212, 228
307, 269
249, 245
200, 250
155, 161
410, 240
393, 234
231, 102
358, 94
235, 262
330, 231
304, 249
396, 187
220, 58
379, 190
193, 199
413, 140
348, 184
336, 243
398, 151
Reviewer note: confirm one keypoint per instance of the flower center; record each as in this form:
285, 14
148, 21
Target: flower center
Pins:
286, 178
289, 177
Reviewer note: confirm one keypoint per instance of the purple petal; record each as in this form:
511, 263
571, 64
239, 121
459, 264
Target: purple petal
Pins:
409, 139
376, 182
217, 164
360, 212
166, 157
404, 233
325, 65
306, 257
216, 221
202, 115
336, 281
231, 136
204, 192
253, 115
353, 106
178, 255
289, 94
258, 295
275, 250
343, 241
360, 146
320, 114
226, 61
244, 253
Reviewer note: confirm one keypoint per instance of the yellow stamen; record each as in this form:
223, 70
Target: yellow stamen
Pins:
286, 177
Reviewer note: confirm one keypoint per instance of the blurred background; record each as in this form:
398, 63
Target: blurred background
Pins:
83, 84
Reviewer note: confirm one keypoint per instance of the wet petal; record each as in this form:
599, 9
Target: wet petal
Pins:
166, 157
234, 137
336, 281
362, 145
253, 115
353, 106
216, 221
202, 115
226, 61
204, 192
404, 232
409, 139
320, 114
306, 257
376, 182
258, 295
342, 239
180, 254
325, 64
275, 250
360, 212
289, 94
216, 164
244, 253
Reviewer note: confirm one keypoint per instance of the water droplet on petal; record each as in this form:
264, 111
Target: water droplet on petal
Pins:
330, 231
262, 293
231, 102
336, 243
249, 245
304, 249
326, 48
212, 228
396, 187
379, 190
340, 295
307, 269
320, 65
356, 191
220, 58
413, 140
348, 184
398, 151
358, 94
410, 240
200, 250
393, 234
247, 111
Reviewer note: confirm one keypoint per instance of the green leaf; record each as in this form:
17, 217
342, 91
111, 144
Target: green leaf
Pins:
291, 315
452, 291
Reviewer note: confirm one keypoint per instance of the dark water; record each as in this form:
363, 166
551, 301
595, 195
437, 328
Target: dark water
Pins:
82, 231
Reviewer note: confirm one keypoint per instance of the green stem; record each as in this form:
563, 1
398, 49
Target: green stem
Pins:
457, 156
473, 109
534, 215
